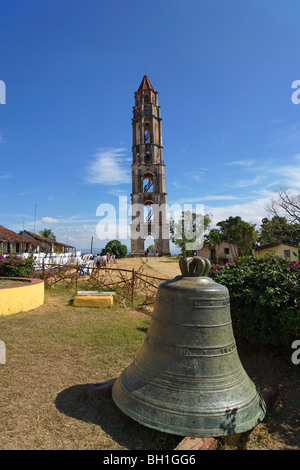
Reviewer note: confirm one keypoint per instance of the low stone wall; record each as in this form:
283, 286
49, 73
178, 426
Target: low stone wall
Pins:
21, 298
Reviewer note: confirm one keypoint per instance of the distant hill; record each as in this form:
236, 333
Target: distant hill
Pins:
87, 251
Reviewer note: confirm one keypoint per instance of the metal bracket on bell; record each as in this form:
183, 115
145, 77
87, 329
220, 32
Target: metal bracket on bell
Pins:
194, 266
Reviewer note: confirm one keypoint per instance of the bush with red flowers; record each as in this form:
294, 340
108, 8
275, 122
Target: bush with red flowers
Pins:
264, 298
15, 266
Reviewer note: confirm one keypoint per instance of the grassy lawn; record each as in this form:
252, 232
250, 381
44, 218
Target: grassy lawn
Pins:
54, 351
5, 283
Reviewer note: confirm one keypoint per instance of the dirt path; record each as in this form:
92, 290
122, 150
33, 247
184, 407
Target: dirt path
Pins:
158, 267
164, 267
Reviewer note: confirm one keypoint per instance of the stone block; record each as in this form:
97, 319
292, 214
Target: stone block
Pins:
93, 299
198, 443
100, 389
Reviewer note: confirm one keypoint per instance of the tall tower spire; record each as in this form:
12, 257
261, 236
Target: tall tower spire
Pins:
148, 173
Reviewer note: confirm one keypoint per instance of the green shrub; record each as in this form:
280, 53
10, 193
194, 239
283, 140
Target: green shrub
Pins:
264, 300
15, 266
115, 247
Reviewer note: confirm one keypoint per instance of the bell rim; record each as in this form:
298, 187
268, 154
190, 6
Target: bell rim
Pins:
195, 432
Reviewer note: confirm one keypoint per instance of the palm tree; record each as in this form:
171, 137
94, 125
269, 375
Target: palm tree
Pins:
47, 233
215, 239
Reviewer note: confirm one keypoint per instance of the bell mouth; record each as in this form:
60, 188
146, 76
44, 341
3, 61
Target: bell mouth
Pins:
182, 411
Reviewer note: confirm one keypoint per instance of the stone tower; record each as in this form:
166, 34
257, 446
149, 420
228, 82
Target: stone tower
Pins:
148, 174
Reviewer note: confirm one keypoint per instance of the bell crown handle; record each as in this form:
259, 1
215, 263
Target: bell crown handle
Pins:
195, 266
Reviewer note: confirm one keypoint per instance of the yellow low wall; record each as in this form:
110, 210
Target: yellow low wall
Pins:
93, 301
21, 298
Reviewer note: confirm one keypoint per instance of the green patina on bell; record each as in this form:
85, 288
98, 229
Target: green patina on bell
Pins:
187, 378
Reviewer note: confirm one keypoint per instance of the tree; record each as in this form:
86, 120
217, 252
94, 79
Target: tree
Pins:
278, 230
246, 238
214, 239
47, 233
115, 247
236, 231
151, 248
286, 204
188, 231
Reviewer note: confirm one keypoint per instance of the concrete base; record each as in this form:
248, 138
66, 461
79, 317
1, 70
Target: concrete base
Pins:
93, 299
142, 255
99, 389
137, 255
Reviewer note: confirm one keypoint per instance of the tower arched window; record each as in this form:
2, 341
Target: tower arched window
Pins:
148, 180
148, 211
156, 133
137, 134
147, 133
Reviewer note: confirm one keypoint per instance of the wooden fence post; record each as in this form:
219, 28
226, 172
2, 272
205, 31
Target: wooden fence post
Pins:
77, 271
132, 285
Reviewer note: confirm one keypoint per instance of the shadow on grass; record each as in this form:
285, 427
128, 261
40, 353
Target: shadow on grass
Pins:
102, 411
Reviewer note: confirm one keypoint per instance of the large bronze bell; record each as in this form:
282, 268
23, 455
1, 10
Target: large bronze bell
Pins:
187, 378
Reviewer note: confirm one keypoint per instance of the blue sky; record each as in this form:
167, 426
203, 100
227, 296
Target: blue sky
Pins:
224, 74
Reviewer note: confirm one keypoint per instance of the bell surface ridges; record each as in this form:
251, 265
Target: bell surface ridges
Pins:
187, 378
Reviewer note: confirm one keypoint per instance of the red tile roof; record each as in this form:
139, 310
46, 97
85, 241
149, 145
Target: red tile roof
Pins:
44, 239
7, 235
145, 84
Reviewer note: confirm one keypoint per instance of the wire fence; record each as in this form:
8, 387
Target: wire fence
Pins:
129, 284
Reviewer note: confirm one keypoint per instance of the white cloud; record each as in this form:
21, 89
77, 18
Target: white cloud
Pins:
117, 192
107, 167
218, 198
224, 136
80, 235
77, 235
200, 199
290, 176
253, 211
248, 182
241, 163
289, 135
49, 220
